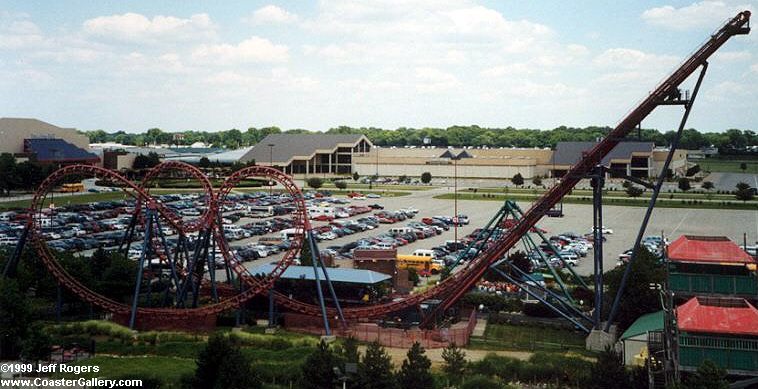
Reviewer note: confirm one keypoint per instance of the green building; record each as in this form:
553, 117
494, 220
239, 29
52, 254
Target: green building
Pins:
711, 266
721, 329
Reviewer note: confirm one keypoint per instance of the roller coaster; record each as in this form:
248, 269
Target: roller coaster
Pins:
201, 285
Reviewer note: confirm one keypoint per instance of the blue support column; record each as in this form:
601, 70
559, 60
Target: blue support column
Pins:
140, 268
314, 254
654, 197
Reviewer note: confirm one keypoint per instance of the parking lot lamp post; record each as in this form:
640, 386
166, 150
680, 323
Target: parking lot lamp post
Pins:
271, 165
449, 155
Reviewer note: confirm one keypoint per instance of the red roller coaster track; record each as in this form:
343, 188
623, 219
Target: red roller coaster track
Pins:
449, 290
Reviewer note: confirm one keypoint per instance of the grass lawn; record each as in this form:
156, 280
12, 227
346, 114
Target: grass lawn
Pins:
662, 202
83, 198
506, 336
612, 193
728, 165
351, 186
168, 370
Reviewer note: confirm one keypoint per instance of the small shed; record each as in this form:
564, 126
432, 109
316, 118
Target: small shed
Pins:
634, 339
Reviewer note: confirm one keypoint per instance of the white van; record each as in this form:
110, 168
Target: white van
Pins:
401, 230
318, 211
290, 233
425, 253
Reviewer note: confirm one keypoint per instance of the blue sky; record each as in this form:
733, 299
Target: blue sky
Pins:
205, 65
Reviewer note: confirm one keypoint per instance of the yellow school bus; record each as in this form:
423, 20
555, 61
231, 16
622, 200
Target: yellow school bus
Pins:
423, 265
70, 188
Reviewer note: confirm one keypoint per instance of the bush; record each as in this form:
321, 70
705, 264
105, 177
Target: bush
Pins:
538, 310
315, 182
493, 302
426, 177
341, 184
481, 382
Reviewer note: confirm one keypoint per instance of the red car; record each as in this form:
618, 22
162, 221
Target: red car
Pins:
323, 218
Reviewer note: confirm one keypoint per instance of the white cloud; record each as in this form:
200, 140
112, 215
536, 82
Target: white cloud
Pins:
434, 80
272, 14
732, 56
137, 28
701, 14
253, 49
624, 58
19, 34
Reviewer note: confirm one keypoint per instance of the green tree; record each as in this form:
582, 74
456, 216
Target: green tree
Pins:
708, 376
707, 185
414, 373
742, 186
413, 276
609, 372
402, 179
14, 318
518, 179
637, 299
143, 161
221, 365
743, 166
482, 382
684, 184
426, 177
8, 175
745, 194
633, 191
118, 278
204, 163
519, 259
350, 358
375, 369
340, 184
37, 344
455, 362
318, 368
356, 176
537, 181
315, 182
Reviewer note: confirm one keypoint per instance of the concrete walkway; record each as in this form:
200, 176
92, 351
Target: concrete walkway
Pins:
481, 325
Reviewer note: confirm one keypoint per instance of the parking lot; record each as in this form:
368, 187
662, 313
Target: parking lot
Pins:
99, 225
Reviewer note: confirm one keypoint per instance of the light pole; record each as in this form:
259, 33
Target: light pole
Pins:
449, 155
271, 165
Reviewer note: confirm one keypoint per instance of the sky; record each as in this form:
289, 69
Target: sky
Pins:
207, 65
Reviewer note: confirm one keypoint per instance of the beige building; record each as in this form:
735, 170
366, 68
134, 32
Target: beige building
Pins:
485, 163
13, 131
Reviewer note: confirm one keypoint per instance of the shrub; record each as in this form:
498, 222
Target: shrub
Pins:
315, 182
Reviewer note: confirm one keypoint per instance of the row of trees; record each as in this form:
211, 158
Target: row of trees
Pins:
441, 137
26, 175
221, 364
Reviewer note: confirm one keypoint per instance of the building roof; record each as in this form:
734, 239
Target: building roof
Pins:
30, 126
352, 276
707, 249
230, 156
644, 324
732, 316
287, 146
57, 150
570, 153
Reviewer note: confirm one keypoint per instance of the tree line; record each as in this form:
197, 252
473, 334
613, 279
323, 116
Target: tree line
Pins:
729, 140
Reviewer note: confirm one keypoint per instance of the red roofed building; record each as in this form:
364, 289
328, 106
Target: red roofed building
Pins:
711, 266
723, 330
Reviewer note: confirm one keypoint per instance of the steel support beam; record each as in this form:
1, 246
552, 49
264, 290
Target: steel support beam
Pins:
654, 197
